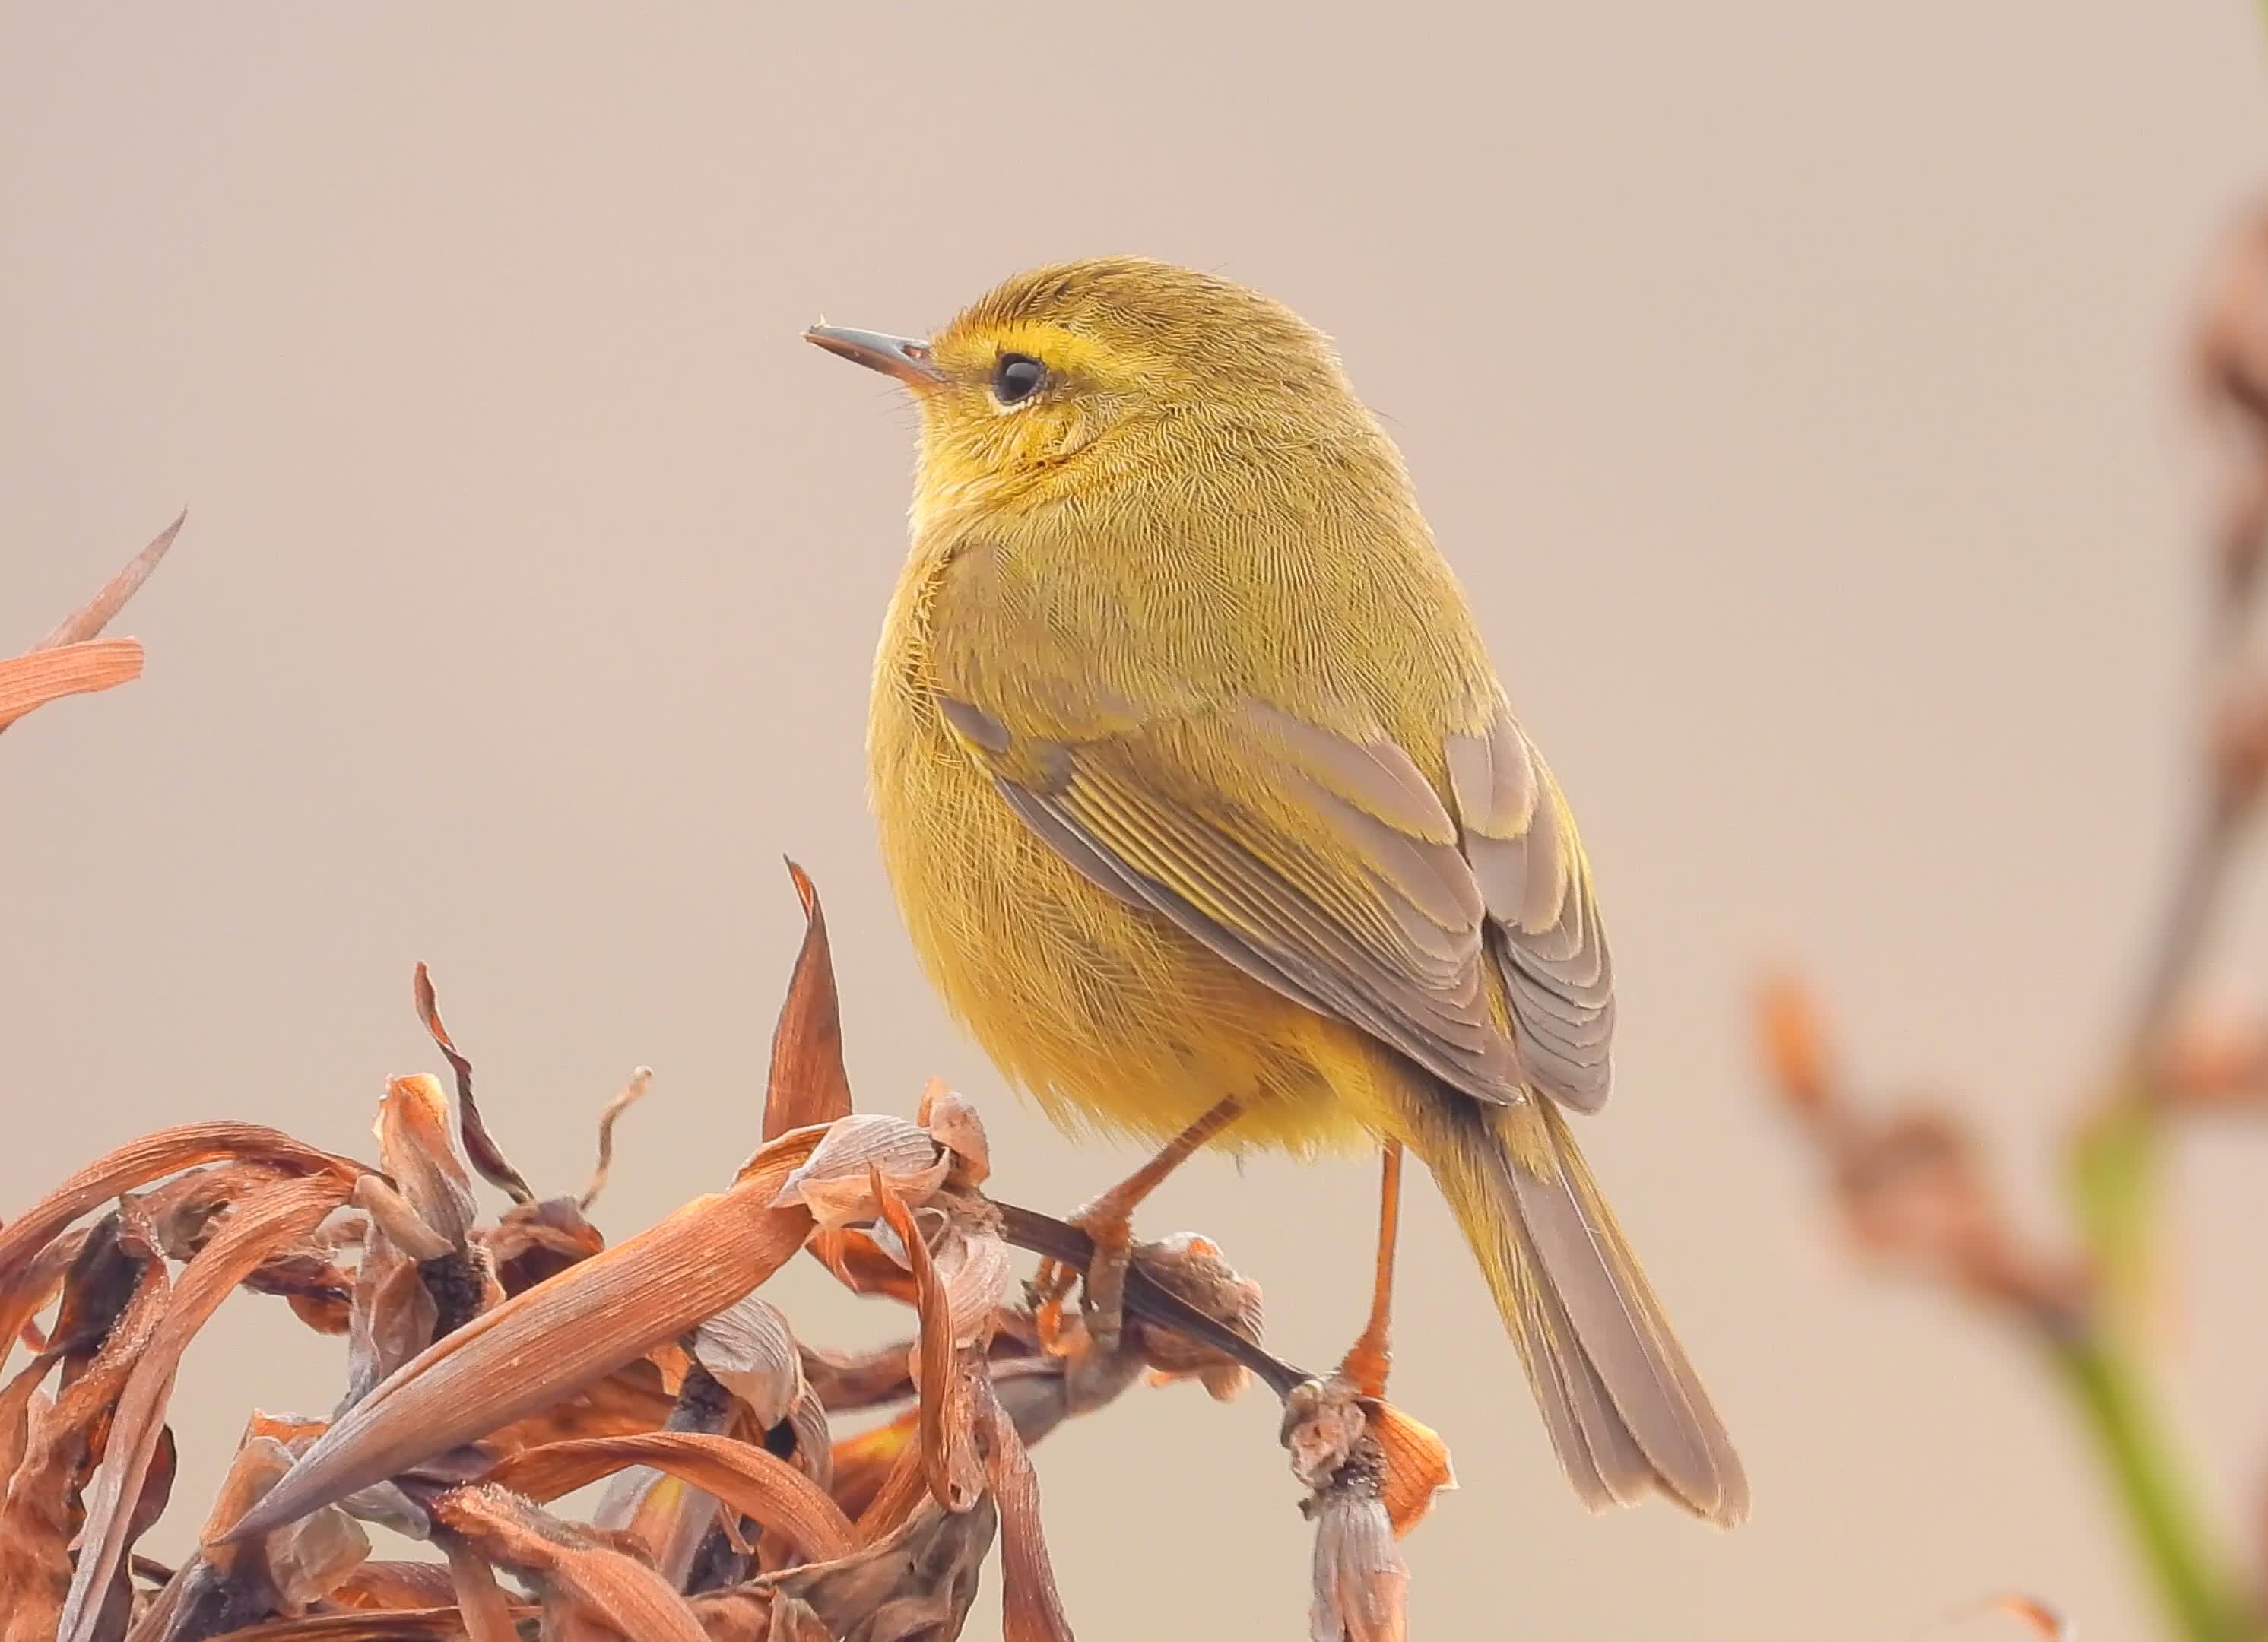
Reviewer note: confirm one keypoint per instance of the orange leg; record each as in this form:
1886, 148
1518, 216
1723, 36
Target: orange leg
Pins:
1369, 1358
1109, 1220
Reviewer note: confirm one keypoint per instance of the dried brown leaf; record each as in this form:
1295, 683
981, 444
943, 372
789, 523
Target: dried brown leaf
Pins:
634, 1398
479, 1599
948, 1460
577, 1575
40, 676
480, 1146
913, 1584
751, 1352
1416, 1465
394, 1215
903, 1489
641, 1080
255, 1231
1031, 1608
402, 1624
832, 1183
531, 1242
953, 1122
418, 1147
137, 1163
807, 1084
863, 1460
591, 1320
753, 1482
395, 1584
95, 615
41, 1512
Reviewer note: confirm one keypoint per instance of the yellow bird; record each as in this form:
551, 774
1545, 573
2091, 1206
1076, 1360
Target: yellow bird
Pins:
1209, 817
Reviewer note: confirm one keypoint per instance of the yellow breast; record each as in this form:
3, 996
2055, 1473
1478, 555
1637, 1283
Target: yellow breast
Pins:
1107, 1016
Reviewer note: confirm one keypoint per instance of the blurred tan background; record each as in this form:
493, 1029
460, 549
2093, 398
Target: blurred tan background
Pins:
1794, 386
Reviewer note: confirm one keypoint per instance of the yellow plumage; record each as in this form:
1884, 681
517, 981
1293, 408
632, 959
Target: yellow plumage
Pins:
1195, 781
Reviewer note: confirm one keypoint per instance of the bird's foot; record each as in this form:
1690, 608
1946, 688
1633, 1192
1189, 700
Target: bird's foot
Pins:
1110, 1228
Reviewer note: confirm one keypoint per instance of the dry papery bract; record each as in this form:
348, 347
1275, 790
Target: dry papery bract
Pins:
756, 1485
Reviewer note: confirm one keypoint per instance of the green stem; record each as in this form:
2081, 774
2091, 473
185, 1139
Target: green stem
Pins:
2108, 1389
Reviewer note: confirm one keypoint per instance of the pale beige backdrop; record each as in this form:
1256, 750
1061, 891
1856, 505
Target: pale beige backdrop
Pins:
1792, 384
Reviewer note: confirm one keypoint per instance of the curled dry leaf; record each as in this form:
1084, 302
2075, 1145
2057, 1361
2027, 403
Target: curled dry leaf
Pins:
531, 1242
641, 1080
479, 1599
864, 1460
941, 1373
1414, 1462
289, 1571
66, 661
807, 1084
137, 1163
33, 680
1031, 1609
394, 1584
579, 1578
427, 1624
584, 1324
833, 1182
392, 1214
917, 1581
259, 1227
40, 1513
756, 1483
480, 1146
751, 1350
417, 1146
953, 1122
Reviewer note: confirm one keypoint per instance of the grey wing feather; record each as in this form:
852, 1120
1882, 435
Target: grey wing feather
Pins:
1543, 919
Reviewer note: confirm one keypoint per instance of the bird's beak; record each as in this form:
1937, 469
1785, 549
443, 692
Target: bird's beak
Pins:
901, 356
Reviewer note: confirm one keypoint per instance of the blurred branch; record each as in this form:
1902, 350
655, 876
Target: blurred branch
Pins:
1912, 1187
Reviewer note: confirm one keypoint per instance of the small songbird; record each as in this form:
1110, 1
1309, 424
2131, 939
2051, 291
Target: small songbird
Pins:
1210, 819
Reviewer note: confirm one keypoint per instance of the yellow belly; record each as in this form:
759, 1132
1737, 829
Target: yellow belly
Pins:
1110, 1017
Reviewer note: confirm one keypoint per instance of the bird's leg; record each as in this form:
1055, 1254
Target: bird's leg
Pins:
1108, 1222
1368, 1358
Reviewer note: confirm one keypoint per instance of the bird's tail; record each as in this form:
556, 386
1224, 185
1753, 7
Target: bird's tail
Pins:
1625, 1407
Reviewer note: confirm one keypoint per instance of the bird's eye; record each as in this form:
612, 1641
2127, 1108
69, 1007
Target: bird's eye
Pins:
1017, 377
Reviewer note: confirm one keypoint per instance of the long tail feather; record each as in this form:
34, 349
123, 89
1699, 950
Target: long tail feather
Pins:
1624, 1409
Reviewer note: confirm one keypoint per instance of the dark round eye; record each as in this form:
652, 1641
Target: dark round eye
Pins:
1017, 376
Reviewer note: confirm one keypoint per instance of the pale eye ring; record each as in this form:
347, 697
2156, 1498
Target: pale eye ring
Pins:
1016, 377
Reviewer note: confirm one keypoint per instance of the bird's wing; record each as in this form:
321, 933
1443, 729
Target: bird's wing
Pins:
1329, 868
1520, 840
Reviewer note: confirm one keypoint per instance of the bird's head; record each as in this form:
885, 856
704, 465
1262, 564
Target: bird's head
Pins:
1071, 375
